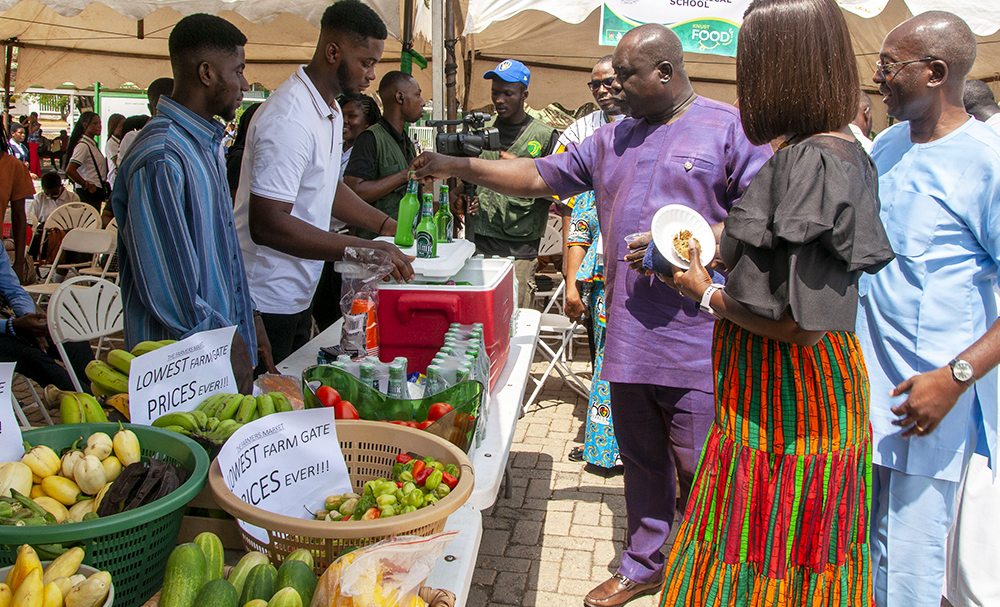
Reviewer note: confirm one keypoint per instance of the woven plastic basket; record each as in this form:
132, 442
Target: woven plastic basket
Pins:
132, 546
370, 450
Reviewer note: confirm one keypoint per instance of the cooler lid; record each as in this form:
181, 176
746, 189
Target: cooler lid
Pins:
450, 260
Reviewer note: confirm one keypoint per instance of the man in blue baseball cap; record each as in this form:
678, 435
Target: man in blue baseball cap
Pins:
509, 226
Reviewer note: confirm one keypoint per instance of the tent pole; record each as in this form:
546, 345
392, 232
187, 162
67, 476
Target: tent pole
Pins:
450, 66
9, 43
438, 35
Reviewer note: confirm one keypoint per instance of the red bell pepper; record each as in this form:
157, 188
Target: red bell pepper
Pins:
424, 474
418, 467
346, 518
449, 480
403, 458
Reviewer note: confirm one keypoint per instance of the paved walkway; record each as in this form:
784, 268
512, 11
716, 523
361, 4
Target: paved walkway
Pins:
561, 532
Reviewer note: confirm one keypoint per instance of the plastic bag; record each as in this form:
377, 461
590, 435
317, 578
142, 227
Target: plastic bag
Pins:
387, 574
361, 271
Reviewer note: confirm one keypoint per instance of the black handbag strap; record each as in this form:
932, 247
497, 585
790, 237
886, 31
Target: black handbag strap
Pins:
94, 160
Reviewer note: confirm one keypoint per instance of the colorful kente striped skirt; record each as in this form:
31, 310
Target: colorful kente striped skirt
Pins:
778, 514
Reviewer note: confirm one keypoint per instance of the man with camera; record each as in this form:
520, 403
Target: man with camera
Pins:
379, 166
512, 226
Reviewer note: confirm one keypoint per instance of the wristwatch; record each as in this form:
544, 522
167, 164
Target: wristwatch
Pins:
962, 372
706, 298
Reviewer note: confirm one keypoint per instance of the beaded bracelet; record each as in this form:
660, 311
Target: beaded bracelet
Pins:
10, 326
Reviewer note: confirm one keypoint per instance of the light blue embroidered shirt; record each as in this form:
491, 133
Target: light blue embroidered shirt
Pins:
180, 262
12, 291
941, 210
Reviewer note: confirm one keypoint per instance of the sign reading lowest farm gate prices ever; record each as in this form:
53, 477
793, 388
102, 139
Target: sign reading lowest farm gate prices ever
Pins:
285, 461
176, 378
704, 26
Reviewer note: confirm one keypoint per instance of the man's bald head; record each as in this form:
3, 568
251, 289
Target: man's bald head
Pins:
979, 100
655, 42
941, 35
394, 81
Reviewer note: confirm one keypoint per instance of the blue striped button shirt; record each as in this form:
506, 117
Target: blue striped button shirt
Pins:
180, 263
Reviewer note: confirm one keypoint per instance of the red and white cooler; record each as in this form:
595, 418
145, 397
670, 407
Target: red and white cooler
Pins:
413, 318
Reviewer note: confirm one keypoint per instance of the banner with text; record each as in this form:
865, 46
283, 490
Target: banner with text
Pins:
285, 461
704, 26
11, 448
179, 376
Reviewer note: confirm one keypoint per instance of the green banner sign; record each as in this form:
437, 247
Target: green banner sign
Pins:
704, 26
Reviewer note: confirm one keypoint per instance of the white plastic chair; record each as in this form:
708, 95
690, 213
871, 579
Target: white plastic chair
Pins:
79, 240
104, 271
552, 244
560, 331
83, 314
19, 408
68, 217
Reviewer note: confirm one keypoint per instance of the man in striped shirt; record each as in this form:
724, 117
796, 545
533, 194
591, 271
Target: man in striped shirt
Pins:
181, 268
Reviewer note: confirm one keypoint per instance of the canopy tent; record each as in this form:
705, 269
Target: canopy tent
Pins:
82, 41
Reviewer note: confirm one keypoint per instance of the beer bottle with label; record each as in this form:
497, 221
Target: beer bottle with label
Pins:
426, 234
409, 208
443, 218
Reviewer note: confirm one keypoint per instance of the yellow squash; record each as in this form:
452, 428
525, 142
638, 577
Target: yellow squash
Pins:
6, 596
126, 445
89, 474
52, 595
64, 566
112, 467
53, 507
42, 460
61, 489
26, 562
90, 593
99, 445
14, 475
30, 592
81, 508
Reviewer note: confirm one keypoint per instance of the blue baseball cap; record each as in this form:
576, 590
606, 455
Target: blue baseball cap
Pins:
510, 70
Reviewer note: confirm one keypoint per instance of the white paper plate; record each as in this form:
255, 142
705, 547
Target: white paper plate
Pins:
674, 218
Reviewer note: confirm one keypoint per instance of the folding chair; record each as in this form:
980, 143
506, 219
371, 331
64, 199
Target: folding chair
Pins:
83, 314
552, 244
19, 408
68, 217
109, 269
561, 331
79, 240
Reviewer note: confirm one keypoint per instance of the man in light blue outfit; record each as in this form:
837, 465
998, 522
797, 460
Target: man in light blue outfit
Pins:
928, 324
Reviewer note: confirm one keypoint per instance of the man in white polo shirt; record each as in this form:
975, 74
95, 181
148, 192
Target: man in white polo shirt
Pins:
289, 180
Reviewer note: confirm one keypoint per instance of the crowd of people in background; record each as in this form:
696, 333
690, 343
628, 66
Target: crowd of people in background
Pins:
817, 406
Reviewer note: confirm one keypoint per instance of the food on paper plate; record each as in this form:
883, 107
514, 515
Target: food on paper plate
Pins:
682, 244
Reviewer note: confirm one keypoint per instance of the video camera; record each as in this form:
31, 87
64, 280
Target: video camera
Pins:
470, 143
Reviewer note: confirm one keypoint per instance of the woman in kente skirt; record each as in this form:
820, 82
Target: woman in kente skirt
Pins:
599, 447
779, 509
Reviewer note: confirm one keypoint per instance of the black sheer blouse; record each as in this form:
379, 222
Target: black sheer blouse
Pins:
806, 227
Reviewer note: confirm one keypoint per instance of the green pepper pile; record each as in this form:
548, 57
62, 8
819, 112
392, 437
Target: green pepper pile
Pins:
415, 484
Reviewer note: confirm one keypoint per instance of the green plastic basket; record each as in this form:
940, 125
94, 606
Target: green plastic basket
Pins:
458, 427
132, 546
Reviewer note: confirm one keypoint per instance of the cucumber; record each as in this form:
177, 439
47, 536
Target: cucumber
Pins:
297, 575
286, 597
256, 603
238, 577
184, 577
303, 555
211, 546
217, 593
261, 584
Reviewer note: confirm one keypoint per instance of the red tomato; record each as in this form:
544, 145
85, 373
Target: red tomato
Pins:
413, 425
345, 410
423, 425
328, 396
438, 410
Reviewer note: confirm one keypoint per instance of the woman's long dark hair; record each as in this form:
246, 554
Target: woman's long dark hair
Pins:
78, 130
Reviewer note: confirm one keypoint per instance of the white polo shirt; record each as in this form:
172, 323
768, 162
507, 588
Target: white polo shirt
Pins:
292, 154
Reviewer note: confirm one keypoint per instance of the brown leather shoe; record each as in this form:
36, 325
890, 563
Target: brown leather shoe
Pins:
618, 590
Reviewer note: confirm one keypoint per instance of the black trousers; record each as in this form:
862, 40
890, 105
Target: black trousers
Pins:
44, 367
287, 332
326, 301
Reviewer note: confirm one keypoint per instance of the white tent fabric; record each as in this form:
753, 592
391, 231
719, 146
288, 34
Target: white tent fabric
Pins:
83, 41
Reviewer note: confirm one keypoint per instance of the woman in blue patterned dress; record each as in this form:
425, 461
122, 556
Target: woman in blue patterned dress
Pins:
600, 447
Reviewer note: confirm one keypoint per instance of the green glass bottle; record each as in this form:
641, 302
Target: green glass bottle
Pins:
426, 233
443, 219
409, 207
